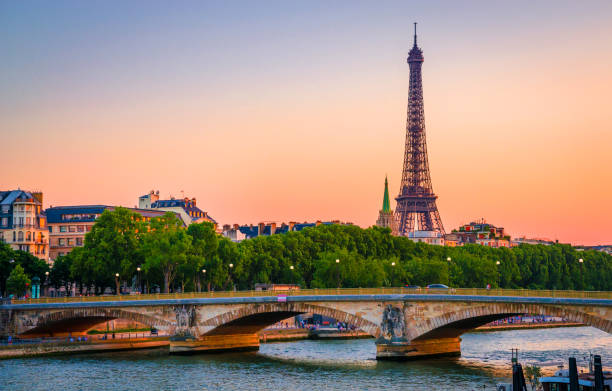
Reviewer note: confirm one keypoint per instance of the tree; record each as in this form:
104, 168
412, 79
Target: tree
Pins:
32, 266
111, 247
17, 282
7, 256
204, 245
533, 374
166, 247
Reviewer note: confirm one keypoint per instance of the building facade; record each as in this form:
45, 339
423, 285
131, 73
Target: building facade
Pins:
186, 208
68, 225
430, 237
23, 222
238, 233
479, 232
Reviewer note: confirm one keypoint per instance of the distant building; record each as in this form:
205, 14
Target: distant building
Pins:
68, 225
385, 215
238, 233
478, 232
185, 208
23, 222
524, 240
430, 237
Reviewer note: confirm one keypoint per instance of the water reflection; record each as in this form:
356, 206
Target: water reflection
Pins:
310, 365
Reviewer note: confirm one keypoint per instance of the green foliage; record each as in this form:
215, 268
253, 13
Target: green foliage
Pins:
111, 247
166, 248
173, 256
533, 374
17, 282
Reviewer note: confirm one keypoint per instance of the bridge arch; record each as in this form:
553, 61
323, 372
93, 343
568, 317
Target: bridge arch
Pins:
255, 317
78, 320
454, 323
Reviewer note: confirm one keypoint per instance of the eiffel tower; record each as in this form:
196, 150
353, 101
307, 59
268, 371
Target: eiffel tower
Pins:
416, 208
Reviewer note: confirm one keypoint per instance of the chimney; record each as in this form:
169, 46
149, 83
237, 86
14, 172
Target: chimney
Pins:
236, 226
38, 195
261, 227
193, 201
272, 228
291, 225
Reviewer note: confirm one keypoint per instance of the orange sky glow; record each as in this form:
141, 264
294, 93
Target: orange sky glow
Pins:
301, 119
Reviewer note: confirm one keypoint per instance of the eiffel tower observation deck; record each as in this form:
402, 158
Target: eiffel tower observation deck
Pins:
416, 208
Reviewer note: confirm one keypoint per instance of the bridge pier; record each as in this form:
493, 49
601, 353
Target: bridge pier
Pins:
214, 343
418, 349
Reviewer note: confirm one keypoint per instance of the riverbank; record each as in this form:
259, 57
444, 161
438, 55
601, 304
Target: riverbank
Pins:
22, 350
519, 326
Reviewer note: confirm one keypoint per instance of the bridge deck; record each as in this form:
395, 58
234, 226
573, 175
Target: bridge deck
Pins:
324, 295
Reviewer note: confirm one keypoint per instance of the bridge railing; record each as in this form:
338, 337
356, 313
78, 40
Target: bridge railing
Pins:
328, 291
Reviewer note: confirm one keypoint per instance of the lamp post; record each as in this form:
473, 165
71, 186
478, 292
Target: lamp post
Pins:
581, 261
449, 259
45, 287
498, 274
291, 268
139, 283
338, 271
392, 273
204, 274
231, 266
117, 283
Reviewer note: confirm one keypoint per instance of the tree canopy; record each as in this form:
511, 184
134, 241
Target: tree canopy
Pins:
197, 258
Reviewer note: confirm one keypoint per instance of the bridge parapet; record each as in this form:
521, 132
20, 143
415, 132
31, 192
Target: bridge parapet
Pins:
331, 292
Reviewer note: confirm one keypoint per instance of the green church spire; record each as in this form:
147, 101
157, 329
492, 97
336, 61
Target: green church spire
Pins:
386, 204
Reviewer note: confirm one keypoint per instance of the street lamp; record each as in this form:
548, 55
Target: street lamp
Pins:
498, 274
117, 282
581, 260
204, 273
338, 271
448, 259
45, 293
139, 284
231, 265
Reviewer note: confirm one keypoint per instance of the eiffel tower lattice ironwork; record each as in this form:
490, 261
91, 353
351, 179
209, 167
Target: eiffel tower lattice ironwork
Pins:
416, 208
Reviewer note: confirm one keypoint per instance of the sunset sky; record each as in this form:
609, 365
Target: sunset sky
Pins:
295, 111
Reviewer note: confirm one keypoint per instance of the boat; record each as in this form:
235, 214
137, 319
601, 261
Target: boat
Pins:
563, 379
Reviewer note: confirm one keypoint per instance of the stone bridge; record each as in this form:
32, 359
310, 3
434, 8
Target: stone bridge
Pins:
403, 325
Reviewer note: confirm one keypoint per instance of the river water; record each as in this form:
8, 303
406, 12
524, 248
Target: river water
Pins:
309, 365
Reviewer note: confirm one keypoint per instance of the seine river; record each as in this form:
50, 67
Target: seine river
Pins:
309, 365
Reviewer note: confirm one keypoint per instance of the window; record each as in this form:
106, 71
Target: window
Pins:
79, 241
5, 208
72, 228
70, 242
28, 236
88, 228
21, 221
28, 220
5, 221
63, 228
80, 228
20, 236
14, 236
50, 229
61, 242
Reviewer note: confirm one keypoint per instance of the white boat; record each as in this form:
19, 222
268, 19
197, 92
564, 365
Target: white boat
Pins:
560, 381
